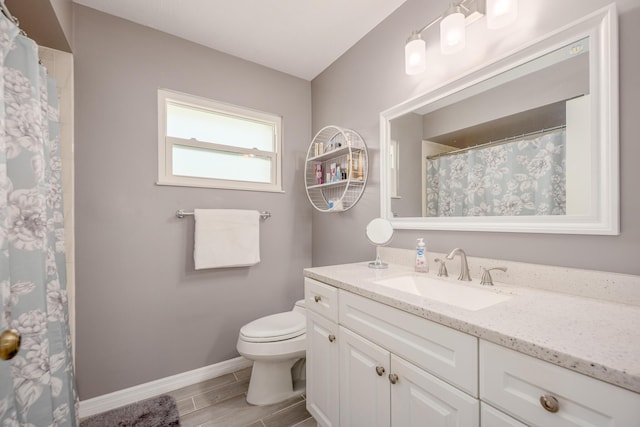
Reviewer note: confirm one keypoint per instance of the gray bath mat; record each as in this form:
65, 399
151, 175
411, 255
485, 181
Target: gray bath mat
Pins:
159, 411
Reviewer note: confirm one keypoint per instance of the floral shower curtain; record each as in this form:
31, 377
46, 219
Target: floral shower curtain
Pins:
524, 177
37, 386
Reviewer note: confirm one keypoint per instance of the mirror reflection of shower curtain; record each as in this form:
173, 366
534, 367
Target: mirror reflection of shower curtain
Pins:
523, 177
37, 386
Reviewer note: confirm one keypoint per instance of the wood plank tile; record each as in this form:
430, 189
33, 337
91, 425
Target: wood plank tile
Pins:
185, 406
222, 402
220, 394
309, 422
288, 416
222, 409
250, 414
202, 387
243, 373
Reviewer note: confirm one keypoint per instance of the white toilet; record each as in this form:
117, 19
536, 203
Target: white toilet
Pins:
277, 345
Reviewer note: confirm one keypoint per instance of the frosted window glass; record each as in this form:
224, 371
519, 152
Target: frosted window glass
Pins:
207, 126
201, 163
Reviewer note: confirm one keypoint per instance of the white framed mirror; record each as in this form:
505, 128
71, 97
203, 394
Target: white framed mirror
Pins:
527, 143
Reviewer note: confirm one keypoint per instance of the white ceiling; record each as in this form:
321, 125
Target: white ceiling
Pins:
298, 37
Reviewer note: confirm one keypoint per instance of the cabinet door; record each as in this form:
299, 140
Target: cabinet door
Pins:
491, 417
419, 399
322, 370
364, 387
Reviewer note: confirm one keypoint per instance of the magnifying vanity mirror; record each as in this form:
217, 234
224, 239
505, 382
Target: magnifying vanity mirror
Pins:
379, 233
528, 143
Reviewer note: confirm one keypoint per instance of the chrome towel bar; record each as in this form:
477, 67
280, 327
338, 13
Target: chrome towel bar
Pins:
181, 213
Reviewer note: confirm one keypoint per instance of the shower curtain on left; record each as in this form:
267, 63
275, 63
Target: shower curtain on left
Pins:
37, 386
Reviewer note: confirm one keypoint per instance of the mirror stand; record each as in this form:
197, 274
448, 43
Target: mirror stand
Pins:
379, 233
378, 262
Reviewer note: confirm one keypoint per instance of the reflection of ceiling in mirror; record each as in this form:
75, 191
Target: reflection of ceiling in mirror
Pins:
547, 117
569, 52
531, 103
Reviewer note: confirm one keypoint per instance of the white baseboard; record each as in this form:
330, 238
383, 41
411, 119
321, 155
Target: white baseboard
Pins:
130, 395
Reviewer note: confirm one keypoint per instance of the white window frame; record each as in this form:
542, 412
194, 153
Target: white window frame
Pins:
166, 143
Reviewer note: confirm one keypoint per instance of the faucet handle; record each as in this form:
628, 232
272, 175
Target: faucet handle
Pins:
442, 271
486, 275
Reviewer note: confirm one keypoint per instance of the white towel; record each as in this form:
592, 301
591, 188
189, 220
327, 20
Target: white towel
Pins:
226, 238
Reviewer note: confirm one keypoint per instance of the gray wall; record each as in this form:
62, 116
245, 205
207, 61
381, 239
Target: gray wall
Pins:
370, 78
143, 312
407, 131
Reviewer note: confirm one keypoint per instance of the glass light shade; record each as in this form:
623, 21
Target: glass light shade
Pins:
452, 33
501, 13
415, 55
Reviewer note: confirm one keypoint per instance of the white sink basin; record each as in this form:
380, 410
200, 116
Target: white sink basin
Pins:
468, 297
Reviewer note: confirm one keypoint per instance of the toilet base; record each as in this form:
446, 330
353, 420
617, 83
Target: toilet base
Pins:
272, 382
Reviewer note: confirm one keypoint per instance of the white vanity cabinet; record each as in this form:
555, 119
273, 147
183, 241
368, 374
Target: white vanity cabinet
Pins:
542, 394
491, 417
380, 389
322, 352
364, 385
395, 368
371, 364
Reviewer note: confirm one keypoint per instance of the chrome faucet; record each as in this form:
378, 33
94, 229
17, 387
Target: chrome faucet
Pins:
442, 271
486, 275
464, 267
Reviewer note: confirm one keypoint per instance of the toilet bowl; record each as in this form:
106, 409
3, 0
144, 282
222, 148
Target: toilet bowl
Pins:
276, 344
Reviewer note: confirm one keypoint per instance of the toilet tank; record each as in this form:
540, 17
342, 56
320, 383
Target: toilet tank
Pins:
299, 307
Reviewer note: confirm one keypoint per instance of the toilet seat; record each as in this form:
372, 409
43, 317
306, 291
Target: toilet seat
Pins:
276, 327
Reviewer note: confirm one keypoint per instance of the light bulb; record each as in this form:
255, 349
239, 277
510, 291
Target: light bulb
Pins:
452, 32
501, 13
415, 61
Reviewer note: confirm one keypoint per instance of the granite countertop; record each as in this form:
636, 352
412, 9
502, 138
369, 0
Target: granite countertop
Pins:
597, 338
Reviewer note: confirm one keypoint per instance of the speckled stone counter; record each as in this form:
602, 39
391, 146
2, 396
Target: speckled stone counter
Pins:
594, 337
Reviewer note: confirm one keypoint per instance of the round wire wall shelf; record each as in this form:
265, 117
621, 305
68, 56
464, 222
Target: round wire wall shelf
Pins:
336, 169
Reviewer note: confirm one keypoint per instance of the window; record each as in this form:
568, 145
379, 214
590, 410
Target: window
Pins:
204, 143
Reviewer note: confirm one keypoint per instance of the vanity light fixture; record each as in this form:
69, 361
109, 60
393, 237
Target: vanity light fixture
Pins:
453, 22
414, 57
501, 13
452, 30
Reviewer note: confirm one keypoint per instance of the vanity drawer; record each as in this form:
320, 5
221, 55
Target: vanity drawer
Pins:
321, 298
446, 353
515, 383
491, 417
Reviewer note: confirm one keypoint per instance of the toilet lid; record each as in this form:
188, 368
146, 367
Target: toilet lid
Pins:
277, 327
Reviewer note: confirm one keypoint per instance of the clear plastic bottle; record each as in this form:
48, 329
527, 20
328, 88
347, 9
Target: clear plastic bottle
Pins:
422, 265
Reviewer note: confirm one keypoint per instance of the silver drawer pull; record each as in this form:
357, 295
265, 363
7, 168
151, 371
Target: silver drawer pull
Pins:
380, 370
393, 378
332, 338
549, 403
317, 298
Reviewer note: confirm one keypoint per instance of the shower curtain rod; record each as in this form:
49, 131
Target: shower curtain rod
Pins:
496, 142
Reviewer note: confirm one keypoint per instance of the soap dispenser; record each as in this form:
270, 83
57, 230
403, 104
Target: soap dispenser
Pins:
422, 265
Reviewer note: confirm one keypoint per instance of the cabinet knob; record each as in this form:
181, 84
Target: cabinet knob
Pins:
317, 298
380, 370
549, 403
393, 378
332, 338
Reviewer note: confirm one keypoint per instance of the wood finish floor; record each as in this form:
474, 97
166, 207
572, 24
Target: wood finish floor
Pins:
222, 402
